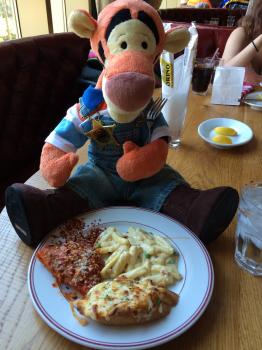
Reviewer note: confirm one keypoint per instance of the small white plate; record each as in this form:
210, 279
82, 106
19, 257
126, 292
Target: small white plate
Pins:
195, 288
206, 132
257, 105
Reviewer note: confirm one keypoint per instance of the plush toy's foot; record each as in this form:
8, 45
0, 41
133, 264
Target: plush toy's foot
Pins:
34, 212
207, 213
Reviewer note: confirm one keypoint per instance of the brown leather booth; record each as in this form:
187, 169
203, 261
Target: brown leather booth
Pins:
209, 38
39, 80
222, 17
214, 25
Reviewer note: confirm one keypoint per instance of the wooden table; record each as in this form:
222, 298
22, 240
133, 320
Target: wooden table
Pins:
233, 317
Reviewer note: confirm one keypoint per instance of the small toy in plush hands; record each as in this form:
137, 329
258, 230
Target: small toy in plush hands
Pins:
127, 155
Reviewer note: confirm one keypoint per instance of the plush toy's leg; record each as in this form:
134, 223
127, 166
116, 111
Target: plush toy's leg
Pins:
34, 212
207, 213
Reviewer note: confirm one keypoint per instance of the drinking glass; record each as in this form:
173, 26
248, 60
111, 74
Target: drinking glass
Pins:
175, 114
218, 62
248, 251
202, 73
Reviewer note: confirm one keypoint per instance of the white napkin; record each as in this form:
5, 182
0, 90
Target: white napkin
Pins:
227, 86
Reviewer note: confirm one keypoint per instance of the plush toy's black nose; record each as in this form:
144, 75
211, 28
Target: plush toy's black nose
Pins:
129, 91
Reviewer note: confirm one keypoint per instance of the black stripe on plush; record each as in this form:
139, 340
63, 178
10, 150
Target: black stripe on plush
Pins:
121, 16
147, 20
101, 51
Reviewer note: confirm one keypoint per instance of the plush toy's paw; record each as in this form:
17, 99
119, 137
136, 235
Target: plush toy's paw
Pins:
56, 165
142, 162
129, 146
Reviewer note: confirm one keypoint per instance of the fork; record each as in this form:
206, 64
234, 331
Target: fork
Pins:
153, 112
155, 108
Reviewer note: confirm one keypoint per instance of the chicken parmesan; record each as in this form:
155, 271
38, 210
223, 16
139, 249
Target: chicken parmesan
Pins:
70, 256
123, 301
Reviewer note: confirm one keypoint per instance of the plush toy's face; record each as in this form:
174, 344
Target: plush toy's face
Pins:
128, 38
128, 79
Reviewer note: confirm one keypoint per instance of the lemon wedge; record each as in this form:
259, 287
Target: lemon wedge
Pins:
223, 130
225, 140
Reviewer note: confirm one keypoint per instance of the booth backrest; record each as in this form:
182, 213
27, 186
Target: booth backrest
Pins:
221, 17
38, 82
209, 38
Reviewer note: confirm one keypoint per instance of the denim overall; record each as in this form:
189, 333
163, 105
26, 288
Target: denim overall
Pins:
98, 182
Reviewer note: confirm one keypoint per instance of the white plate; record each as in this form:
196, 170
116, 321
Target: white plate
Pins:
195, 289
206, 132
257, 105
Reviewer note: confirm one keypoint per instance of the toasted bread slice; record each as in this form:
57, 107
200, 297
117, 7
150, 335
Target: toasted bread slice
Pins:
124, 302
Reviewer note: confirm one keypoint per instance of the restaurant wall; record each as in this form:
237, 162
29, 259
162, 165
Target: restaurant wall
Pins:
33, 14
61, 10
76, 4
32, 17
169, 4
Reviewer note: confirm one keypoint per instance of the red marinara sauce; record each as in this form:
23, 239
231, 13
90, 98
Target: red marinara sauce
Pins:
70, 256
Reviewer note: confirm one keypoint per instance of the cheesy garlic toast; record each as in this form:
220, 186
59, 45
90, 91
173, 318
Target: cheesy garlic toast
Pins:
123, 302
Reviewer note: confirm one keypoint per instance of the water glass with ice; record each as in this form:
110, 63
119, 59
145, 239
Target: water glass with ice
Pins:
248, 252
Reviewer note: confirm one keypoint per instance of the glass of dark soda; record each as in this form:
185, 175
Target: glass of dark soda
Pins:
202, 73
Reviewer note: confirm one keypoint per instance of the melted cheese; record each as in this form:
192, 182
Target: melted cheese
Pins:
107, 297
110, 294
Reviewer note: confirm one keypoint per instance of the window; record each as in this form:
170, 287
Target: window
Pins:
9, 23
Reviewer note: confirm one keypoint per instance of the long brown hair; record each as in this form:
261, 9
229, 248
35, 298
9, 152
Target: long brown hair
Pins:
252, 23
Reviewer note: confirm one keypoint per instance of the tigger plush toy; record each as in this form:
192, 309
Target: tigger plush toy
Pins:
127, 154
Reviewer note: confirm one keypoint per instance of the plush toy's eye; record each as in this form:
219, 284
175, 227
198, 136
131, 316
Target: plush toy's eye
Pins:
144, 45
123, 45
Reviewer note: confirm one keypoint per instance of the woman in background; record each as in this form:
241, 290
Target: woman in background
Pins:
244, 45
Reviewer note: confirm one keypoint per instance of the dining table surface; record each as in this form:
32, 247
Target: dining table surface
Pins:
232, 320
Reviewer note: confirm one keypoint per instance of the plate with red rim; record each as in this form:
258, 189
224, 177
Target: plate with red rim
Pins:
195, 289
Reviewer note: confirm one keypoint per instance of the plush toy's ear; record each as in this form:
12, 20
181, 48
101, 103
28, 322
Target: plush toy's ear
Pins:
82, 23
176, 39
